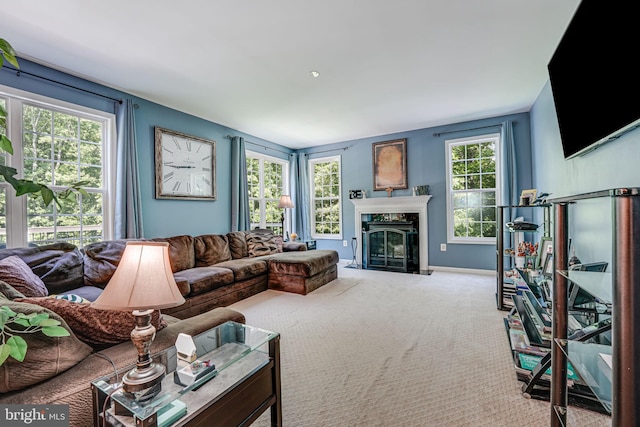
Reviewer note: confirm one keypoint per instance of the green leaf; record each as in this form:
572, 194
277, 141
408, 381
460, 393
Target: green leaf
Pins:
47, 195
8, 53
38, 318
55, 331
49, 322
8, 311
5, 144
21, 322
4, 352
18, 348
26, 187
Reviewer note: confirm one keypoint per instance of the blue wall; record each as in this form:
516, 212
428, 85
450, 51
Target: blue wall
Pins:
426, 165
160, 217
614, 164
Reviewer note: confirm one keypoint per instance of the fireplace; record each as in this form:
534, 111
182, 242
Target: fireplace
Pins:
390, 245
367, 210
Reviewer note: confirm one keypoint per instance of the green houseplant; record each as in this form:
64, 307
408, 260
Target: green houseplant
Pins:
13, 324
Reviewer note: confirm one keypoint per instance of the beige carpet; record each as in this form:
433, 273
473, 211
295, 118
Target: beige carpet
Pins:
391, 349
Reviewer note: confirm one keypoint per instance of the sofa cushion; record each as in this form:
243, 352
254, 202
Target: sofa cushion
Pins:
101, 260
204, 279
9, 291
59, 265
211, 249
259, 244
14, 271
181, 252
238, 244
46, 356
91, 325
303, 263
246, 268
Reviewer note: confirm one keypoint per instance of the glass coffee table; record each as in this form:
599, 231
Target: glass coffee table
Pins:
243, 385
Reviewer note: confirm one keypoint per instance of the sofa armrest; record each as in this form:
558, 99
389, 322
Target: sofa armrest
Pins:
294, 246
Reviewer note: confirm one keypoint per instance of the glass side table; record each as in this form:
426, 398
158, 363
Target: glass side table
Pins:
244, 384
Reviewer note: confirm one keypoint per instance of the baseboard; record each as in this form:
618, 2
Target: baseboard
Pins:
463, 270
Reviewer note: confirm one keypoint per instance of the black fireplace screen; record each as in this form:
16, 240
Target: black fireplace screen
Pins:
390, 245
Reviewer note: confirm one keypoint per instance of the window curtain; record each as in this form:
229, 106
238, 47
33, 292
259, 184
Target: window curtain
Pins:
128, 209
302, 201
509, 190
239, 189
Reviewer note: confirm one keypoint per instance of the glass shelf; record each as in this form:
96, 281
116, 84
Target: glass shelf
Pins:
593, 363
597, 284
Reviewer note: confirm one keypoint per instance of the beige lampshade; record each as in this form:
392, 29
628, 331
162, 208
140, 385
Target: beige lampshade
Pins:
285, 201
143, 280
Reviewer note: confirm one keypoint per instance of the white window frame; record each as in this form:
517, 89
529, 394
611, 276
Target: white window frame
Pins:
495, 137
17, 235
286, 185
312, 162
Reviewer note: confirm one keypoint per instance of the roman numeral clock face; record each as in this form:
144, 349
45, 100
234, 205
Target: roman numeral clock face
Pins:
185, 166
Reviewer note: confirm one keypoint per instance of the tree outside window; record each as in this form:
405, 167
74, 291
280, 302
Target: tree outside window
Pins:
266, 178
326, 198
472, 179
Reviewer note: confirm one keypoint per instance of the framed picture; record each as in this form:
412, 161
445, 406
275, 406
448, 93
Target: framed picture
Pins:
527, 197
390, 165
185, 166
545, 249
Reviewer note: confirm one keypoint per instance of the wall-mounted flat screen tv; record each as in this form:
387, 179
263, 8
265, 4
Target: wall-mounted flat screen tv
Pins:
595, 75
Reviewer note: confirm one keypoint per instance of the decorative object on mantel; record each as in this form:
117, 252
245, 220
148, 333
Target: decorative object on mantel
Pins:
390, 165
389, 190
420, 190
355, 194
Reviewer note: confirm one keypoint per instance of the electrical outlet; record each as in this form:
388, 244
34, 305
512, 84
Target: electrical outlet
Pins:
344, 243
443, 247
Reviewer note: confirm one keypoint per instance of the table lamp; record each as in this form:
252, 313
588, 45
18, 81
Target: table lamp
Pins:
284, 203
142, 283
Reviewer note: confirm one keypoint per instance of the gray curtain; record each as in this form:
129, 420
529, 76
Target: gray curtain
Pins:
510, 195
128, 209
239, 189
303, 199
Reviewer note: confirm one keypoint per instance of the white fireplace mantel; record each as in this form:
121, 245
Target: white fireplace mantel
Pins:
405, 204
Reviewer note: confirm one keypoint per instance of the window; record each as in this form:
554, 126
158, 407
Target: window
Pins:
472, 179
325, 198
266, 178
61, 144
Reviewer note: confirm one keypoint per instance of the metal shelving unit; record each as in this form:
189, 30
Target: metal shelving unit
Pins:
618, 390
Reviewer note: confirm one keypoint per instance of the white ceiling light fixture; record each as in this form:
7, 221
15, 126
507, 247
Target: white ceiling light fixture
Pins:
315, 74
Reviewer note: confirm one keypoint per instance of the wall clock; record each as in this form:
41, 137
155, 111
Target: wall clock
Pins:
185, 166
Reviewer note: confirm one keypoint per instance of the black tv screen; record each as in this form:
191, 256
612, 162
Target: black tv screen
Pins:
595, 76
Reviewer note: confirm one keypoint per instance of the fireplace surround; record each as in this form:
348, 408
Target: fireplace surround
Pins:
395, 205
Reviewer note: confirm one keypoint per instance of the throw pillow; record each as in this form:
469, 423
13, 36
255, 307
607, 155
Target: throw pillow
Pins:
16, 272
259, 244
93, 326
46, 356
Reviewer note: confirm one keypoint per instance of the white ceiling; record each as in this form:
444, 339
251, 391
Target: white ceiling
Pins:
385, 66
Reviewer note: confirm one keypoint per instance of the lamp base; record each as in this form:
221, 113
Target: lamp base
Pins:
144, 384
145, 380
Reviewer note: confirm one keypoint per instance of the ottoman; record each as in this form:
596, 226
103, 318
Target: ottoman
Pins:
302, 272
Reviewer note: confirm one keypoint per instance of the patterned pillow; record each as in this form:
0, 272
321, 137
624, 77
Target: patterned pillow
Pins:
94, 326
16, 272
259, 244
